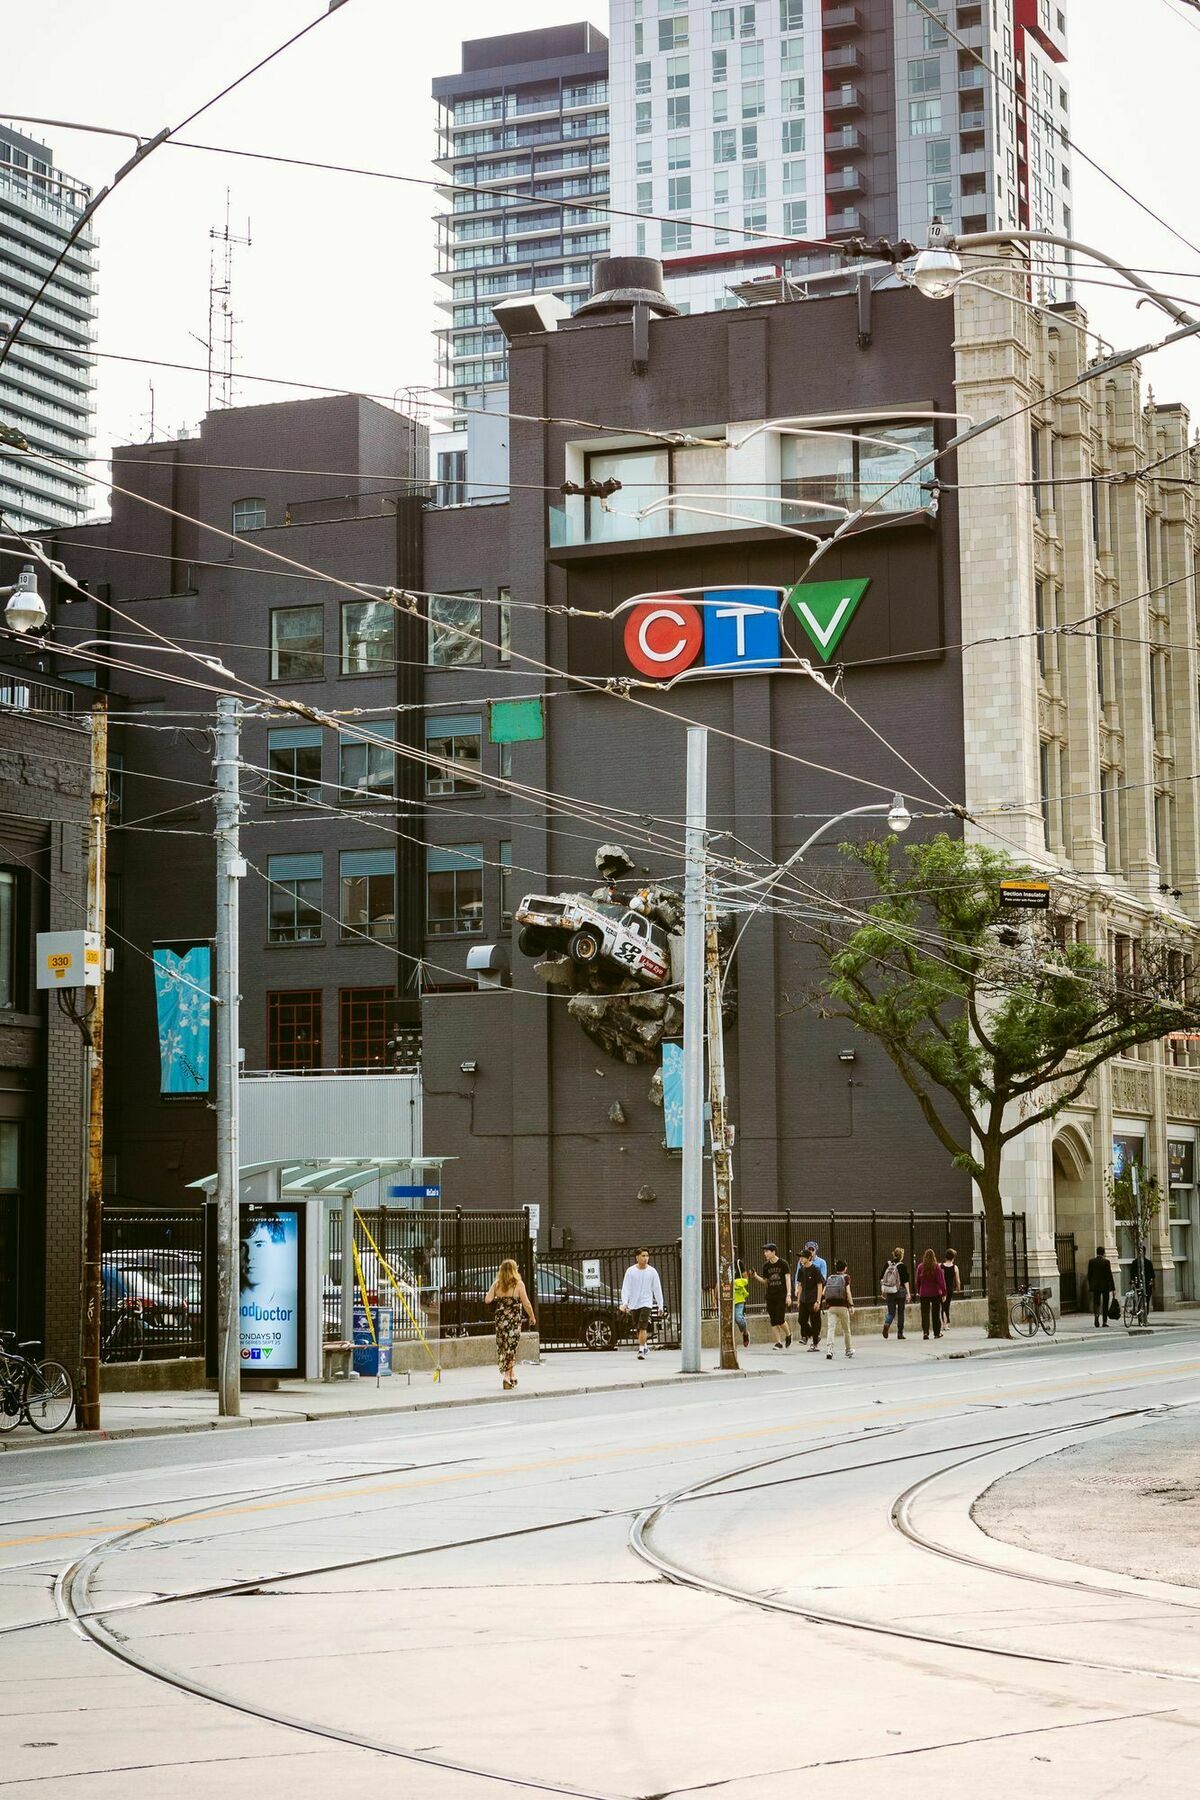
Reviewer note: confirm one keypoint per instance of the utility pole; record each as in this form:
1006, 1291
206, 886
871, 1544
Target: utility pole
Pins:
230, 870
692, 1186
721, 1153
87, 1412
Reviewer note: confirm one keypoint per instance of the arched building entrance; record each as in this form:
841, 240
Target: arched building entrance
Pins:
1074, 1211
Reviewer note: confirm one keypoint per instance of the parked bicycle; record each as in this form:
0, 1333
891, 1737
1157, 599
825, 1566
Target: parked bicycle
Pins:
125, 1341
40, 1391
1136, 1310
1032, 1311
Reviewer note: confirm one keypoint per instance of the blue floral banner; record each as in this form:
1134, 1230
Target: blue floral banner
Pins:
182, 980
672, 1080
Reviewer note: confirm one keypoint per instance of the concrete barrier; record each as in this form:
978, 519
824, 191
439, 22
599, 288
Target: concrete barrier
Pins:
182, 1374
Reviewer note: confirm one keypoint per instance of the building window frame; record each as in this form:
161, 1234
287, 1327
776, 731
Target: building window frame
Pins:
295, 905
294, 777
367, 895
249, 514
366, 771
294, 1029
368, 638
457, 738
303, 659
454, 890
455, 638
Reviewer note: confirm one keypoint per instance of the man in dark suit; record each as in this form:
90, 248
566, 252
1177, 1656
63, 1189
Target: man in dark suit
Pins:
1101, 1285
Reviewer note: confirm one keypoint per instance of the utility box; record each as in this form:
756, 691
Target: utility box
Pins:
373, 1355
69, 959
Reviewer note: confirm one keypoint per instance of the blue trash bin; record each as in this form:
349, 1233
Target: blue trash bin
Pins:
373, 1357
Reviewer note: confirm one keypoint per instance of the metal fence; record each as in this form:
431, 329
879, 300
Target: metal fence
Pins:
1068, 1271
152, 1284
579, 1298
441, 1265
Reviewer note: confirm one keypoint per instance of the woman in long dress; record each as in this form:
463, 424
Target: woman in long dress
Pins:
508, 1292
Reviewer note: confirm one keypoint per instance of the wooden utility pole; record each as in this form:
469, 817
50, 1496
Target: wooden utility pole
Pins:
722, 1155
88, 1408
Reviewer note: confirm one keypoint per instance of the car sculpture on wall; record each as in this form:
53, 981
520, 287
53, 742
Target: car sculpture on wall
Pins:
595, 934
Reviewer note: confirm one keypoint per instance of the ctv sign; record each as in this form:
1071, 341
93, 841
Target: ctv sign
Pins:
732, 630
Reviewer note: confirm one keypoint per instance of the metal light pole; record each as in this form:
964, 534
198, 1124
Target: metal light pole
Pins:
230, 869
87, 1412
692, 1185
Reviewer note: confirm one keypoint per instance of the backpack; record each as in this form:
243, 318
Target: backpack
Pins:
835, 1290
891, 1279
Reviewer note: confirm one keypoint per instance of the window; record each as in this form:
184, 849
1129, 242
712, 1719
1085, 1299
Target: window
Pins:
752, 62
678, 73
679, 193
294, 1029
1044, 785
643, 118
676, 237
754, 218
793, 94
504, 646
364, 1018
724, 146
939, 198
793, 137
749, 143
795, 218
935, 34
720, 67
454, 890
294, 759
938, 157
452, 477
721, 221
1039, 616
639, 40
368, 637
1035, 465
720, 106
679, 153
298, 643
367, 771
679, 112
791, 55
851, 473
641, 78
754, 99
722, 25
924, 118
455, 629
794, 179
294, 908
368, 893
458, 739
506, 894
13, 949
721, 187
672, 34
250, 514
645, 196
754, 181
791, 15
746, 26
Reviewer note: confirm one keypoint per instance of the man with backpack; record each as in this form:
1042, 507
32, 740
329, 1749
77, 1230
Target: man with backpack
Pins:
839, 1304
896, 1288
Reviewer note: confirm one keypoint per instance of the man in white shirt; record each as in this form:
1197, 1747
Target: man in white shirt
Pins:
641, 1294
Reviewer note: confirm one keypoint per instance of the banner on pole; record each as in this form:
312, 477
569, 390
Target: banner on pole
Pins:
182, 983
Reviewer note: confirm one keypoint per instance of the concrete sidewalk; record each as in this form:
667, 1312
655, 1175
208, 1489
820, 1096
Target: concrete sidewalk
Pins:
559, 1374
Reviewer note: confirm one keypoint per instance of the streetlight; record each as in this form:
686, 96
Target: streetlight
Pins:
26, 610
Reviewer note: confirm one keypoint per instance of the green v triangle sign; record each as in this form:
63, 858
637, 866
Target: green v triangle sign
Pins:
825, 608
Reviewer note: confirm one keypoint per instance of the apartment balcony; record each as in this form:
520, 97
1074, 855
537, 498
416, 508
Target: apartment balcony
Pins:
973, 221
971, 163
974, 77
844, 99
845, 140
843, 59
849, 222
845, 181
841, 21
971, 116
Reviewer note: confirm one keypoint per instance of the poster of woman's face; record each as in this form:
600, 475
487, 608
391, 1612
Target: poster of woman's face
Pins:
270, 1287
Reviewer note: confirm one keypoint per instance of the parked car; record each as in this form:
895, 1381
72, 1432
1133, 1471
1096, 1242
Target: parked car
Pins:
568, 1313
594, 934
151, 1304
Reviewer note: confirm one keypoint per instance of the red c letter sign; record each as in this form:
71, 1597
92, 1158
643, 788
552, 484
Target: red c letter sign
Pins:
663, 637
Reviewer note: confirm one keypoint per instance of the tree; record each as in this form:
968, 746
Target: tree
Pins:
995, 1020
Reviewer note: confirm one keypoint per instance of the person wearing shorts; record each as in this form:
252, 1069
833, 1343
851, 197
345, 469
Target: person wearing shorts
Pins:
641, 1297
776, 1277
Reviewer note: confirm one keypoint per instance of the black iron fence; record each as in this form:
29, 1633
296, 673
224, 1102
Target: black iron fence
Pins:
438, 1268
152, 1284
1068, 1271
579, 1298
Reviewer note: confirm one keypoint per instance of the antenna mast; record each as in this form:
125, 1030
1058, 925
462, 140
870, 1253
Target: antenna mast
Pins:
221, 321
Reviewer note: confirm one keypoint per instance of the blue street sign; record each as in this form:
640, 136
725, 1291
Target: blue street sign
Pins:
415, 1193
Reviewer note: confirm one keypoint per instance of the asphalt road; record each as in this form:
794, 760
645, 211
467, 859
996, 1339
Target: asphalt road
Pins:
718, 1589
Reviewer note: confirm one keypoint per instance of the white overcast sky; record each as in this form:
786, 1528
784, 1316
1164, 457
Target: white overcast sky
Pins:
337, 286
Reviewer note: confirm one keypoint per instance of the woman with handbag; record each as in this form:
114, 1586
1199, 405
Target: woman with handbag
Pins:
1102, 1287
508, 1293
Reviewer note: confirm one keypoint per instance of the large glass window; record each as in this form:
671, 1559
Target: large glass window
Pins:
455, 629
679, 112
925, 118
850, 473
752, 62
722, 25
754, 99
672, 34
298, 643
294, 1029
795, 218
679, 193
791, 15
368, 893
294, 909
10, 937
792, 91
294, 759
368, 637
679, 153
250, 514
676, 237
644, 476
364, 1017
457, 738
925, 75
454, 890
724, 146
367, 771
754, 181
792, 131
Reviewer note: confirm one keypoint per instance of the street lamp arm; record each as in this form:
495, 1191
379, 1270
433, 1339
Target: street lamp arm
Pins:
979, 240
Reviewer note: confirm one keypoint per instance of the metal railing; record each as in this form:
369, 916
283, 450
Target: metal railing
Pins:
442, 1264
17, 695
152, 1284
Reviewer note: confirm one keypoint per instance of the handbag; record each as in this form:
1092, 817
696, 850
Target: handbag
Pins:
1114, 1308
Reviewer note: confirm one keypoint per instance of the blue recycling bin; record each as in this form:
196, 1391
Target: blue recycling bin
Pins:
373, 1357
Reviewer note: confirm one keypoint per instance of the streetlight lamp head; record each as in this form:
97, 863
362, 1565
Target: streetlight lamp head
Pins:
899, 818
26, 610
937, 269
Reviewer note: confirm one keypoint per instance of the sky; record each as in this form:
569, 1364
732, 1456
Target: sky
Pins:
336, 286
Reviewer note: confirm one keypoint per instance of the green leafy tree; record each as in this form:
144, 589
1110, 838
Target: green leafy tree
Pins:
1135, 1203
995, 1020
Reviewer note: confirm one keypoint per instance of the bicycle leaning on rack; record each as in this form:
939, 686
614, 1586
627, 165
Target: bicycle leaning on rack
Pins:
1136, 1309
1032, 1310
39, 1391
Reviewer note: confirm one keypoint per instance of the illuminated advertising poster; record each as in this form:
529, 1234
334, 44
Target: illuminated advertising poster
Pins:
271, 1278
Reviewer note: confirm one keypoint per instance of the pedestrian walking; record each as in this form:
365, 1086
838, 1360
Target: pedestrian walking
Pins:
822, 1265
810, 1288
953, 1282
895, 1284
641, 1295
931, 1291
741, 1293
1101, 1283
776, 1277
839, 1304
512, 1301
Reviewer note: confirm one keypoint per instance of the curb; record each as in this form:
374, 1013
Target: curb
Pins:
83, 1440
